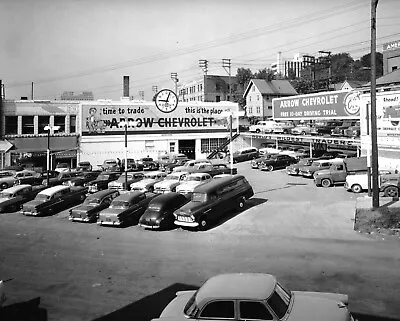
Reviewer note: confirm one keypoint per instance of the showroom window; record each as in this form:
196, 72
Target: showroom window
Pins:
60, 121
210, 144
72, 124
27, 125
43, 121
11, 125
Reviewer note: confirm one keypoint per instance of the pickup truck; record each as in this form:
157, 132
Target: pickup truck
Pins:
359, 182
337, 172
211, 169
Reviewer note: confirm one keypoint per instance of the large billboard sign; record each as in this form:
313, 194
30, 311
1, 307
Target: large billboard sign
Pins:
393, 45
105, 117
324, 105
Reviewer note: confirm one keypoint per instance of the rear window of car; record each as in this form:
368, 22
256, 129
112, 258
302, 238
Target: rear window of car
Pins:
199, 197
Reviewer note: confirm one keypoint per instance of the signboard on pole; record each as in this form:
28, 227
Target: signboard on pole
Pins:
323, 105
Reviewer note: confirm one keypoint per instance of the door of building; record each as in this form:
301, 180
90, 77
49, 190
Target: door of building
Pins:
187, 147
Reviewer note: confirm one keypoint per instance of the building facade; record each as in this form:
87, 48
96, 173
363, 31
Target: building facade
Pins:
209, 88
391, 56
291, 68
259, 94
70, 95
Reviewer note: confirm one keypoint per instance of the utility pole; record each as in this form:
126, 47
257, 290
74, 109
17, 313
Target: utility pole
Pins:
1, 108
311, 61
174, 77
226, 64
32, 92
374, 142
203, 64
327, 62
141, 94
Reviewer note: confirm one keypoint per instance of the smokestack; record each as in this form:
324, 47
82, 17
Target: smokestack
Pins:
126, 86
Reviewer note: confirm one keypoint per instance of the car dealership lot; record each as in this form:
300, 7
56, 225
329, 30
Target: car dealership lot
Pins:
290, 228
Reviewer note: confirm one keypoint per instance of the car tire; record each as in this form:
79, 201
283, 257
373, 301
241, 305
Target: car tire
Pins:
151, 189
270, 168
241, 203
303, 133
356, 188
4, 186
391, 191
257, 131
326, 182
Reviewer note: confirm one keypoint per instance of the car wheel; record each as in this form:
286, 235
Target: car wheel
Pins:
326, 182
241, 203
356, 188
257, 131
391, 191
270, 168
234, 161
151, 189
4, 186
303, 133
203, 223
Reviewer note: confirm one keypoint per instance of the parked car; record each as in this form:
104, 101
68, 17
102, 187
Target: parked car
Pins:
82, 180
277, 162
245, 154
255, 163
62, 167
125, 209
110, 165
159, 214
353, 131
84, 166
264, 126
60, 178
189, 164
212, 169
193, 180
359, 182
148, 163
294, 169
169, 167
213, 200
268, 150
324, 127
120, 183
54, 199
93, 204
284, 127
301, 129
170, 158
132, 165
308, 171
101, 182
390, 187
339, 130
25, 177
254, 296
12, 198
170, 182
147, 183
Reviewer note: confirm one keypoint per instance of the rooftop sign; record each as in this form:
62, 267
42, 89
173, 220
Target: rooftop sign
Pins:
393, 45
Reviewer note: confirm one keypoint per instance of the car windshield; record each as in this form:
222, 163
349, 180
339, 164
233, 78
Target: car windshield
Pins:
5, 174
123, 204
194, 178
191, 308
150, 176
154, 207
279, 300
102, 176
199, 197
42, 197
110, 162
172, 177
92, 201
6, 195
317, 164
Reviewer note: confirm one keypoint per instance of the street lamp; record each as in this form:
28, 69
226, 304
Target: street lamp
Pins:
125, 124
49, 129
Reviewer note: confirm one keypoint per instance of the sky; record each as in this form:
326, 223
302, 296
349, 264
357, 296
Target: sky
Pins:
89, 45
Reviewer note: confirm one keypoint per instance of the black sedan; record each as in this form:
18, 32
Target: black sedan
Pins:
12, 198
94, 203
101, 182
160, 212
276, 162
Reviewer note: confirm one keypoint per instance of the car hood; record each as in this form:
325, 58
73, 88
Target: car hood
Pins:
324, 171
310, 168
112, 211
319, 306
151, 215
33, 203
189, 184
4, 199
167, 183
84, 208
190, 208
176, 306
179, 168
145, 182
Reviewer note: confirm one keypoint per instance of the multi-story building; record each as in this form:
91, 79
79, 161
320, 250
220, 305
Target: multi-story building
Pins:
259, 94
70, 95
291, 68
209, 88
26, 137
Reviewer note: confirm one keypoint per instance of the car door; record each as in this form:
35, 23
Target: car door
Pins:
339, 175
254, 310
218, 310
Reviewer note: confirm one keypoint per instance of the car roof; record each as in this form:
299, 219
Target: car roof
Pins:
102, 193
51, 190
198, 174
178, 173
16, 188
128, 196
154, 173
162, 199
252, 286
215, 184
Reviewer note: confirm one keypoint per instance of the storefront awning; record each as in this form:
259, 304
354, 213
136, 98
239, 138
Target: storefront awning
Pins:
5, 146
39, 144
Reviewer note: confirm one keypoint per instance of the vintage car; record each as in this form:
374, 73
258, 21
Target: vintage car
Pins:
339, 130
132, 165
159, 214
178, 162
12, 198
110, 165
255, 163
212, 169
308, 171
54, 199
60, 178
359, 182
324, 127
62, 167
82, 180
294, 169
263, 126
302, 129
148, 163
93, 204
189, 164
101, 182
125, 178
276, 162
170, 182
9, 178
125, 209
193, 180
254, 296
84, 166
148, 181
36, 179
352, 131
213, 200
390, 187
283, 127
245, 154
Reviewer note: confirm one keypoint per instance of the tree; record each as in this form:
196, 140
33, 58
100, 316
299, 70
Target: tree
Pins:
341, 67
265, 73
366, 63
302, 86
243, 76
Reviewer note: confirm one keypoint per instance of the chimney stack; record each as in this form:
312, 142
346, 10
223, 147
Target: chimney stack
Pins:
126, 86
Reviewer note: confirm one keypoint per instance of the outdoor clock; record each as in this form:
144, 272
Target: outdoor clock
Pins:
166, 100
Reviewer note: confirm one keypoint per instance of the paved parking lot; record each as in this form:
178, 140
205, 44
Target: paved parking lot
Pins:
290, 228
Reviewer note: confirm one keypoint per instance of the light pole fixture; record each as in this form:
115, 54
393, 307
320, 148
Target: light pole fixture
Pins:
226, 64
49, 129
125, 124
